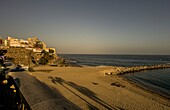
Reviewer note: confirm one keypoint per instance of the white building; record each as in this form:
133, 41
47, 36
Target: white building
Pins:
13, 42
24, 43
53, 49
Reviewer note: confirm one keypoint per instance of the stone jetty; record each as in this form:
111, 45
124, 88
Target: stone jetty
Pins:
125, 70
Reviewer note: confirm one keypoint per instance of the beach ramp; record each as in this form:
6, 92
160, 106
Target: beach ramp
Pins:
36, 95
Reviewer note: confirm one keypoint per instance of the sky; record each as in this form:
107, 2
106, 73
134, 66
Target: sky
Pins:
90, 26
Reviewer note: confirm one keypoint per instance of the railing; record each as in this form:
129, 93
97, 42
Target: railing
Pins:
21, 102
10, 94
31, 94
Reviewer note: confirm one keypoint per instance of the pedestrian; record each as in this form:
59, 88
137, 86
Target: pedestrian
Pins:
2, 57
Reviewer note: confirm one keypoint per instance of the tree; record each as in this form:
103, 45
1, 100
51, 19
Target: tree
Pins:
45, 58
38, 44
43, 61
51, 51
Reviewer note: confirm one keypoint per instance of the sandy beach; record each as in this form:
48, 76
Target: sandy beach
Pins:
89, 88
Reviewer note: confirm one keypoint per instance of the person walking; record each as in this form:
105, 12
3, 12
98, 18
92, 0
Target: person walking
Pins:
2, 58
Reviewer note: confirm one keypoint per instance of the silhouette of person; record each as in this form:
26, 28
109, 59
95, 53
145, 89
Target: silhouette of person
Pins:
2, 57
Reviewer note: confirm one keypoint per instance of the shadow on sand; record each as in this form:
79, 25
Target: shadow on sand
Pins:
85, 91
39, 95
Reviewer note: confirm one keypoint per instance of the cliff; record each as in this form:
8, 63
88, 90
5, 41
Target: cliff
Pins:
21, 56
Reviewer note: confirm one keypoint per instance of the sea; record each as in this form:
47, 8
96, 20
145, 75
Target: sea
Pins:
157, 81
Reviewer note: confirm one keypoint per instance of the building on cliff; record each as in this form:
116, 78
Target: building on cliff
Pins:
32, 41
44, 46
13, 42
27, 52
51, 51
23, 43
3, 43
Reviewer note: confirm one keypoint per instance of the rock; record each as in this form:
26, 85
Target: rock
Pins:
123, 70
117, 85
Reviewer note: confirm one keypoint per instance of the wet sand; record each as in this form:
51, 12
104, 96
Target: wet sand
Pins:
91, 88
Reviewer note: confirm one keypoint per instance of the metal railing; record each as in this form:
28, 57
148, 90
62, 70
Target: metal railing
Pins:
31, 94
21, 102
10, 95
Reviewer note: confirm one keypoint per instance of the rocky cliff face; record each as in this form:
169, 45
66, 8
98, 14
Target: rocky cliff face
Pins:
21, 56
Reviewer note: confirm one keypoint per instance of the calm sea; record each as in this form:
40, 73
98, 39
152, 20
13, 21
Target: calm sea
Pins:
155, 80
117, 60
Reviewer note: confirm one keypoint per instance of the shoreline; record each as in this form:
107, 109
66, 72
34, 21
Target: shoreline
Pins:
134, 69
128, 70
147, 89
93, 79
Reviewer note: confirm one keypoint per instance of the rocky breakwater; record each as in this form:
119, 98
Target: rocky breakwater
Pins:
125, 70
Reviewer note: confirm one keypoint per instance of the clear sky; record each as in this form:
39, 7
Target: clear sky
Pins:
91, 26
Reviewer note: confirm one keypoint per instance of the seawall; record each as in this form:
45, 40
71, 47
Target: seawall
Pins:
125, 70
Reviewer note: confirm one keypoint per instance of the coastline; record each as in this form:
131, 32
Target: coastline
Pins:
89, 87
146, 89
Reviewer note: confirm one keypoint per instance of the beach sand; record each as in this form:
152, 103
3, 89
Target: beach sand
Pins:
90, 88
